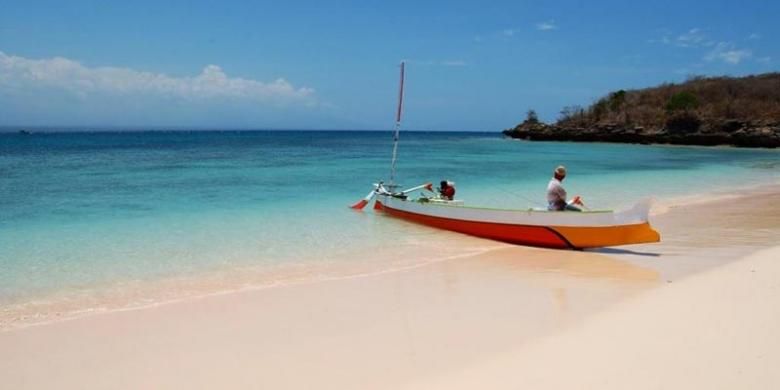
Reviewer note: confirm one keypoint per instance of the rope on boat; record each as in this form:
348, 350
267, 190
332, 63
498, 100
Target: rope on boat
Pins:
527, 199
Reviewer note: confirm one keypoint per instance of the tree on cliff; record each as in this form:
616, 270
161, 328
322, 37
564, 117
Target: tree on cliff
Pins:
531, 117
681, 117
684, 101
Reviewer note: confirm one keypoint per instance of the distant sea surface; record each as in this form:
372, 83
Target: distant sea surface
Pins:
101, 220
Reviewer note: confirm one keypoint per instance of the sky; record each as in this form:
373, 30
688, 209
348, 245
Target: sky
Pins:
471, 65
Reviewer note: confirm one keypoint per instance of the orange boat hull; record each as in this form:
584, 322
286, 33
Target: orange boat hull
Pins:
560, 237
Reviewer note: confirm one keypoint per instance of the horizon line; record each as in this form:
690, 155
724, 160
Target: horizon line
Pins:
119, 129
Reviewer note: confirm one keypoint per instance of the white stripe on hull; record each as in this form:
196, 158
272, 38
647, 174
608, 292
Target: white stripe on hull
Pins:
635, 215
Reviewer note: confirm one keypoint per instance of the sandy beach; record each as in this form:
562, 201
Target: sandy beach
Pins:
286, 195
716, 330
698, 310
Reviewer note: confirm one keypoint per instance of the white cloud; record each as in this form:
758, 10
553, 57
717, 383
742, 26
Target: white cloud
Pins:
546, 26
754, 36
735, 56
212, 82
726, 52
693, 38
723, 51
509, 32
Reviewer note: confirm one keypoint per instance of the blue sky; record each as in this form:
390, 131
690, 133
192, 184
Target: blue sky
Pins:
333, 65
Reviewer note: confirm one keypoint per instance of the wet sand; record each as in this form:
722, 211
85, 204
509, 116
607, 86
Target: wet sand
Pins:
712, 230
485, 319
715, 330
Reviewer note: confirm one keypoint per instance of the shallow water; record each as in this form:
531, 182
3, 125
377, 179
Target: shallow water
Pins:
86, 213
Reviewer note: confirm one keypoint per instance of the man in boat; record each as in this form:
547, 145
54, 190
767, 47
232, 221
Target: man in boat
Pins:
447, 190
556, 195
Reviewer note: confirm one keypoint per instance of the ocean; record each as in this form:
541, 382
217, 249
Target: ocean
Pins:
106, 220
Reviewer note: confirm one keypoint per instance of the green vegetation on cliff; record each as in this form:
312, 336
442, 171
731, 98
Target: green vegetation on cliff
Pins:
742, 111
700, 101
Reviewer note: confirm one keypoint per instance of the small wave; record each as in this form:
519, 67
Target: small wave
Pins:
135, 295
664, 205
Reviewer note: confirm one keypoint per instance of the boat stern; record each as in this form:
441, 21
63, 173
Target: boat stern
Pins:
605, 236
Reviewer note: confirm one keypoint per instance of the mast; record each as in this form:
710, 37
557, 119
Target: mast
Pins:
397, 127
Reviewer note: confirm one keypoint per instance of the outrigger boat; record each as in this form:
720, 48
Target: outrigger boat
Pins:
551, 229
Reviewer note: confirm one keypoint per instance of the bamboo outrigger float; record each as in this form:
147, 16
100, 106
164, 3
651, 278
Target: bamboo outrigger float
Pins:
551, 229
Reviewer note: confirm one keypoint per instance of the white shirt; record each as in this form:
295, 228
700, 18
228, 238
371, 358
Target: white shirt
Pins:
555, 192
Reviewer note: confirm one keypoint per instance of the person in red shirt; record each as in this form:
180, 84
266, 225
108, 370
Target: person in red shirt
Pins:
447, 190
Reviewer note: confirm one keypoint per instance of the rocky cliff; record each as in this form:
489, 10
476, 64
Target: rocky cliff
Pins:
702, 111
729, 132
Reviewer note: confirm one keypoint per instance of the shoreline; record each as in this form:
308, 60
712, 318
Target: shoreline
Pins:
427, 326
403, 320
651, 144
751, 134
269, 281
210, 283
717, 195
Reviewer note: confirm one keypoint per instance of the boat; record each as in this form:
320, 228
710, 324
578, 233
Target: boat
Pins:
531, 227
551, 229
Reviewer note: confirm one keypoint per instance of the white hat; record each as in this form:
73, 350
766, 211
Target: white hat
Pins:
560, 171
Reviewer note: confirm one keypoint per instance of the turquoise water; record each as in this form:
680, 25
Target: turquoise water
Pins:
82, 212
